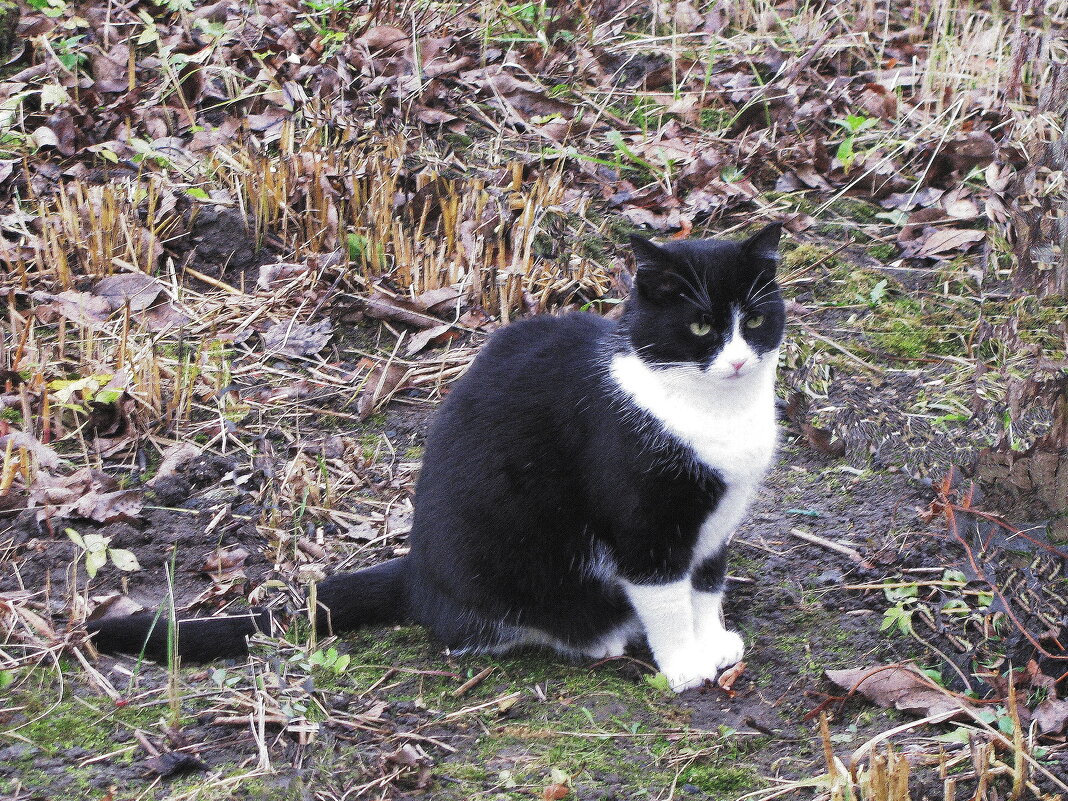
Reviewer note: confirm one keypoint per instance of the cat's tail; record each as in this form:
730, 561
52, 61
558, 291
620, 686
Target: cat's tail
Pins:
375, 595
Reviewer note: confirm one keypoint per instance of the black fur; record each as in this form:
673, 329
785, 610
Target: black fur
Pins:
537, 469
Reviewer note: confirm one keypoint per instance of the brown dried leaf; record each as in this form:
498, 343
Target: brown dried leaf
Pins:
379, 386
437, 335
437, 301
226, 563
900, 687
555, 791
949, 239
139, 289
174, 457
115, 605
80, 308
279, 271
104, 507
384, 38
1052, 716
408, 756
383, 307
46, 457
297, 339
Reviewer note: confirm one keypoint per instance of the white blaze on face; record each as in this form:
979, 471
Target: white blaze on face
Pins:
736, 358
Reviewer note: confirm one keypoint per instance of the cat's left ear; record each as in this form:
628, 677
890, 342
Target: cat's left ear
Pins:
764, 244
656, 277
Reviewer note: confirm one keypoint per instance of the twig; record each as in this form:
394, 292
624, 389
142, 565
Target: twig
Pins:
474, 681
831, 546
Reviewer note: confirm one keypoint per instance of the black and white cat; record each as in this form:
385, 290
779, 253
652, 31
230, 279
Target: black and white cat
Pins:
582, 480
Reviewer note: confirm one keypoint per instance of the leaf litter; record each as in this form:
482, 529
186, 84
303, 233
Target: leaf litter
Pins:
178, 191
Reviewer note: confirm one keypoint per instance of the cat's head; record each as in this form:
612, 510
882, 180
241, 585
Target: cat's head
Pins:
708, 305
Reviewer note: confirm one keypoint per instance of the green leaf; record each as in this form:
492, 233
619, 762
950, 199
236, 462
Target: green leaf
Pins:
659, 681
96, 543
958, 735
76, 538
123, 559
877, 293
198, 193
108, 396
94, 560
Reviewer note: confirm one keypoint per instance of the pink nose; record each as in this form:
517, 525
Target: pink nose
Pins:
737, 365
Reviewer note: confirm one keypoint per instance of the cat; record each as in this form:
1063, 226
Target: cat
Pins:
582, 480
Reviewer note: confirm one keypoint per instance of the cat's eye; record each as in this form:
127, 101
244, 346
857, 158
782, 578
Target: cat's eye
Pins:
700, 329
755, 321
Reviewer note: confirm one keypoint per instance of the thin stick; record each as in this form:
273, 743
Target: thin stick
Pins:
829, 545
474, 681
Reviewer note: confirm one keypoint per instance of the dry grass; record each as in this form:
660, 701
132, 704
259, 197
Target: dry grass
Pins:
356, 193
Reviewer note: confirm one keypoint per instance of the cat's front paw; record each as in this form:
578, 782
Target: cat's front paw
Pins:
687, 669
721, 648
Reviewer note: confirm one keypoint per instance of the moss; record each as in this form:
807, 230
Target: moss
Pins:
884, 251
715, 119
854, 209
720, 781
807, 254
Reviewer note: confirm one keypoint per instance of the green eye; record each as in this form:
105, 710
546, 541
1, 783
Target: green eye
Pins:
701, 329
755, 322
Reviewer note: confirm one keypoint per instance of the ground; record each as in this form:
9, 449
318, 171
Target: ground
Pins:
248, 246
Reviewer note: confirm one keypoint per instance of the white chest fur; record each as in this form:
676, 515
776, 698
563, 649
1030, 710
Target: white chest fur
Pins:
728, 425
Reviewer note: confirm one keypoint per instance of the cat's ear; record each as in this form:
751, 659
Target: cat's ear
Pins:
764, 244
656, 277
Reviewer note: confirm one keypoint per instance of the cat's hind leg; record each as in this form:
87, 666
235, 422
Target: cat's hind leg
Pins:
615, 642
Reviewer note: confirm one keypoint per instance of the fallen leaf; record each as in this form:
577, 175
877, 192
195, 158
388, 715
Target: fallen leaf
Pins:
225, 563
297, 339
105, 507
900, 687
137, 289
437, 335
1051, 716
46, 457
81, 308
115, 605
383, 307
379, 386
949, 239
725, 680
553, 792
407, 756
279, 271
123, 559
174, 457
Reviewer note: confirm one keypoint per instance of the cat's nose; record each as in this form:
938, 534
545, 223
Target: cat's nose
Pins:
738, 365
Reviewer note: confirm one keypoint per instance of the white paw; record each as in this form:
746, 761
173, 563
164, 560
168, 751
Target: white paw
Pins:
721, 648
686, 669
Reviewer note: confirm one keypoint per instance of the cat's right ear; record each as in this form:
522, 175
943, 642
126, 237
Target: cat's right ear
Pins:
656, 276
